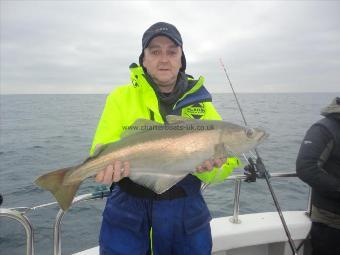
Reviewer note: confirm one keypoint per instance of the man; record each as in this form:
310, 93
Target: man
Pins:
318, 164
178, 220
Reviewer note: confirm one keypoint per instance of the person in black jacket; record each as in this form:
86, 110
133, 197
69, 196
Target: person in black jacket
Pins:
318, 164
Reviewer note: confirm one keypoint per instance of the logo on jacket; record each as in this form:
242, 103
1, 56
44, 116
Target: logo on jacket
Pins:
195, 111
134, 80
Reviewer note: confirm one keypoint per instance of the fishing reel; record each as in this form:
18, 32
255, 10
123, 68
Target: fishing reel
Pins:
254, 170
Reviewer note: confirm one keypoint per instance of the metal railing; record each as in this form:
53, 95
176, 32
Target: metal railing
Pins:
238, 180
61, 213
19, 216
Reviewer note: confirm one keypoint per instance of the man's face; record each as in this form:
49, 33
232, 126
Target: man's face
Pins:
162, 59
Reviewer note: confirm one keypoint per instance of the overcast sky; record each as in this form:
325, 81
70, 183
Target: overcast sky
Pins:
87, 46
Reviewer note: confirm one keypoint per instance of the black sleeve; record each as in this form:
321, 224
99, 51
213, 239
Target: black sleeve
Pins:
314, 152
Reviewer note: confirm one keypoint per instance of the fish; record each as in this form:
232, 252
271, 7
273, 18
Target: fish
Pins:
160, 155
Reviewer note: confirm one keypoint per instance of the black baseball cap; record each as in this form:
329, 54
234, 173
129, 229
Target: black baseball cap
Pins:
165, 29
161, 28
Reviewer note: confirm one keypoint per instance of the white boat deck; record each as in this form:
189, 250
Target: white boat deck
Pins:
258, 233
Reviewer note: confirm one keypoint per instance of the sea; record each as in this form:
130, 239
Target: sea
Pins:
40, 133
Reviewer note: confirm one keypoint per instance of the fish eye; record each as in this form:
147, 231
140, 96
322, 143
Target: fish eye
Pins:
250, 132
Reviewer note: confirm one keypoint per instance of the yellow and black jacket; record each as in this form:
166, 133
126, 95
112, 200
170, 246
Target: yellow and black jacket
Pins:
140, 100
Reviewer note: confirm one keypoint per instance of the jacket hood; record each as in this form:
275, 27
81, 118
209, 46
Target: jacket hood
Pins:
332, 108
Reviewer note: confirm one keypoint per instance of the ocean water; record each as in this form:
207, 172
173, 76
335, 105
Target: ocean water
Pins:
39, 133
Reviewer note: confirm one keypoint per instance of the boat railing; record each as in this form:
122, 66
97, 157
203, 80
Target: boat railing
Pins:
16, 214
61, 213
238, 180
25, 222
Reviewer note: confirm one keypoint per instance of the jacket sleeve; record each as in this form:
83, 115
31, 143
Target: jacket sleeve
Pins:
315, 150
216, 175
109, 127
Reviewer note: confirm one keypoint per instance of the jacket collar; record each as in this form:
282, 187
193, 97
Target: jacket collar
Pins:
140, 81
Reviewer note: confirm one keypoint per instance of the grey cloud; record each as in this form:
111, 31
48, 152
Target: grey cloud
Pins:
87, 46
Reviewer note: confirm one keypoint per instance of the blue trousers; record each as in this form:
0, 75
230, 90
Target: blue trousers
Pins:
179, 226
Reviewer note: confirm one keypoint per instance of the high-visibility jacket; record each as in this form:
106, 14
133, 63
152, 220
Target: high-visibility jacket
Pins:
139, 100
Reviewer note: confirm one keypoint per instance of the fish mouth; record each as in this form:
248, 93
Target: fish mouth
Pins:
264, 136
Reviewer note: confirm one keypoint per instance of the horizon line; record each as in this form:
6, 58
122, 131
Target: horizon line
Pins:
249, 92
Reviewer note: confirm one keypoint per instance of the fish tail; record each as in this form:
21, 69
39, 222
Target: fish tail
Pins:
63, 193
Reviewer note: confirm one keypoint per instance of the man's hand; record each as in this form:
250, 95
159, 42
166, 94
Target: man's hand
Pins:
114, 172
208, 165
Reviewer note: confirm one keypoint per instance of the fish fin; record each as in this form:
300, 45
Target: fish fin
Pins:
229, 152
158, 183
53, 182
220, 151
140, 125
173, 119
97, 152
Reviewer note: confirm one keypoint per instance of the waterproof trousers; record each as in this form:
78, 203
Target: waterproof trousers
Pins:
179, 226
325, 240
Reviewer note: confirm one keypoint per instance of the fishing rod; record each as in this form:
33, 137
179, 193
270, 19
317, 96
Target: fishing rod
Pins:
264, 171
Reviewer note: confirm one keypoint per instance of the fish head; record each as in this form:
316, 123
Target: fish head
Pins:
238, 139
